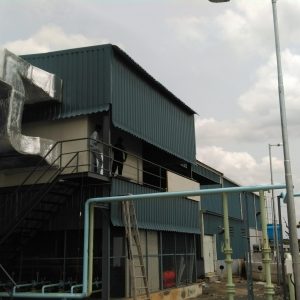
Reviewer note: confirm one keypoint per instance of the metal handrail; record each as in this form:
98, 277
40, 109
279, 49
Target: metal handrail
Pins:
38, 164
7, 274
33, 203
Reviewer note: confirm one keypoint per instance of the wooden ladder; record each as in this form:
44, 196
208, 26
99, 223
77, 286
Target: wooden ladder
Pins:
136, 268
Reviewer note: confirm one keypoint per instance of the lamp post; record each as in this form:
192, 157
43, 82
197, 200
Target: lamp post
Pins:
287, 163
286, 153
274, 213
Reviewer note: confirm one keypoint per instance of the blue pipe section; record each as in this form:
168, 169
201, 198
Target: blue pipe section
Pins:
89, 205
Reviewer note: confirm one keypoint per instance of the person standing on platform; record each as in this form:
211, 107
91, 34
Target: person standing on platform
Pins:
119, 156
96, 149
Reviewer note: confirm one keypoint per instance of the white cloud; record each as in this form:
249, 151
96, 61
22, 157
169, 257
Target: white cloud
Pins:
261, 99
188, 28
259, 117
49, 38
239, 166
248, 26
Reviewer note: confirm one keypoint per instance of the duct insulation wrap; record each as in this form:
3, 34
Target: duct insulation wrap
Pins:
20, 84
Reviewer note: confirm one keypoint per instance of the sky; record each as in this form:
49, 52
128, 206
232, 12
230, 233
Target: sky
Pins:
217, 58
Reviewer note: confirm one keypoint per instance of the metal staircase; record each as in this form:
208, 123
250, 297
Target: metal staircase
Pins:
42, 193
139, 282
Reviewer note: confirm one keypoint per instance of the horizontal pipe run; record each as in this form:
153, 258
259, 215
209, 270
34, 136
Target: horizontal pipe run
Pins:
185, 193
32, 295
50, 286
90, 203
75, 287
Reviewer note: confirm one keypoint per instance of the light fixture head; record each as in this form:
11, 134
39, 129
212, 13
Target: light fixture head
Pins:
218, 1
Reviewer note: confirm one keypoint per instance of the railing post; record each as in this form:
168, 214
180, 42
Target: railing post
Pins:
61, 153
227, 249
266, 250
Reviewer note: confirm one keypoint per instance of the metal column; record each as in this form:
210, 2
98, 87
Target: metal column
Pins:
266, 250
227, 250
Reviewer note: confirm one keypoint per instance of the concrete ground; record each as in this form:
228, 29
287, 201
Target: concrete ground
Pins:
217, 290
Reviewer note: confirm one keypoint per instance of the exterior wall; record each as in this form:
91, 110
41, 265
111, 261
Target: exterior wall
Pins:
175, 214
72, 128
75, 128
178, 183
85, 73
255, 238
237, 267
133, 166
153, 260
143, 108
149, 245
209, 253
192, 291
64, 130
95, 77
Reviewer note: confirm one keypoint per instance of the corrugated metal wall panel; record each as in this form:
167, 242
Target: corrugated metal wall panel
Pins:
213, 202
234, 201
214, 224
205, 172
85, 73
176, 214
236, 204
147, 113
253, 209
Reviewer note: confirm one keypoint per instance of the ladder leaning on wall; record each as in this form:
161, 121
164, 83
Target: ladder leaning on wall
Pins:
136, 262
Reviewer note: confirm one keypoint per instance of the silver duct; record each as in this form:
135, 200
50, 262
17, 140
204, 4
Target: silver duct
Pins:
20, 84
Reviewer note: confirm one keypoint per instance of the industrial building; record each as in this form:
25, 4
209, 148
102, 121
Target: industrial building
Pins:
145, 143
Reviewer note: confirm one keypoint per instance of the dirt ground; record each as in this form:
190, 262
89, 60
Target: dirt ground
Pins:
217, 290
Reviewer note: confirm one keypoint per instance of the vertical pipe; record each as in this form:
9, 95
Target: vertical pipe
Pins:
256, 226
161, 261
266, 250
105, 255
202, 229
195, 257
274, 218
91, 250
227, 250
86, 248
287, 163
249, 259
65, 254
285, 297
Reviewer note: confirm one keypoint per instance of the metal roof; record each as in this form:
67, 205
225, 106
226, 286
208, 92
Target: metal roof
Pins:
207, 172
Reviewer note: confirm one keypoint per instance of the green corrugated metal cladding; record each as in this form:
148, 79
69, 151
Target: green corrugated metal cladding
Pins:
149, 112
96, 77
206, 172
213, 202
85, 74
214, 225
236, 204
176, 214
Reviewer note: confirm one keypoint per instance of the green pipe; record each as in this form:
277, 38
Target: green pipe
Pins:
75, 287
51, 285
227, 249
87, 259
266, 250
91, 249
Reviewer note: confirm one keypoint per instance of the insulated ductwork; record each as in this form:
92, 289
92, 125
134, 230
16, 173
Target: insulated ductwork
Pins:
20, 84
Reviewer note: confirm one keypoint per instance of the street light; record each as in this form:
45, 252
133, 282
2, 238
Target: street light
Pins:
286, 154
274, 213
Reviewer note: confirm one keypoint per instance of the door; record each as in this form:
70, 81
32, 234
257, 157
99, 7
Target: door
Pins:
208, 251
